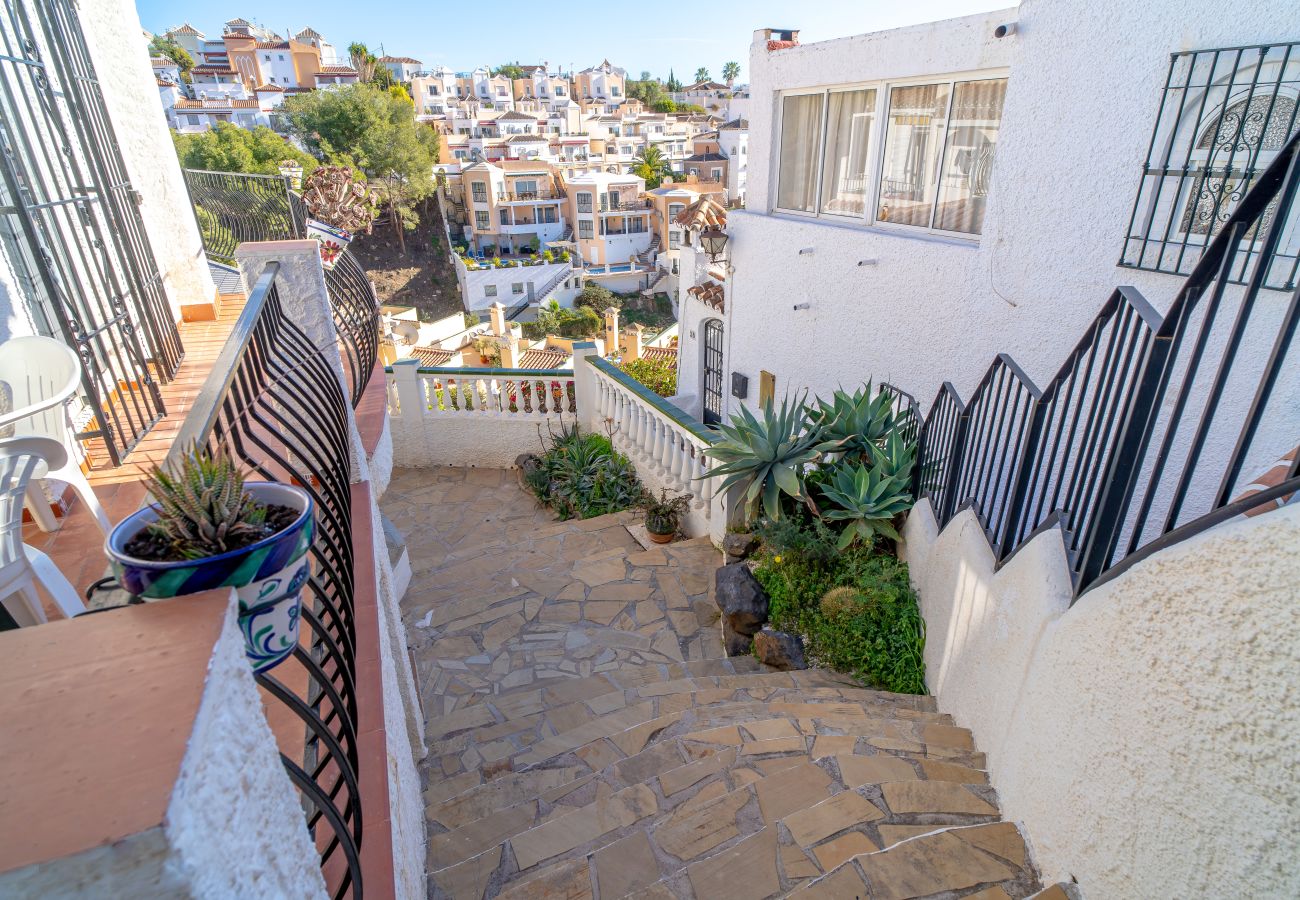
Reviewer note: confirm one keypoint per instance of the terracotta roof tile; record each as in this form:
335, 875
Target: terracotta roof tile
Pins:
656, 353
711, 294
703, 213
431, 356
400, 59
543, 359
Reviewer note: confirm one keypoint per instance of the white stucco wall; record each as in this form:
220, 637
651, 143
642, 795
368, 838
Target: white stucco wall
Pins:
1144, 738
485, 440
1085, 85
234, 823
120, 53
476, 281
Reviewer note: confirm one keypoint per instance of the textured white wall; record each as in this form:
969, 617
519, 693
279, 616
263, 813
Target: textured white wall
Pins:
1145, 737
477, 279
1085, 86
120, 53
234, 823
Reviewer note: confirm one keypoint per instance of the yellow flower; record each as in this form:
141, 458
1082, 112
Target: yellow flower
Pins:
776, 559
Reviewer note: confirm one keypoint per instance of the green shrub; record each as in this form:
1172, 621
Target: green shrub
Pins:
856, 609
568, 323
580, 475
597, 298
660, 375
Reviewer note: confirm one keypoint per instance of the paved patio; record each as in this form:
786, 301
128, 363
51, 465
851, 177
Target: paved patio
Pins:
587, 739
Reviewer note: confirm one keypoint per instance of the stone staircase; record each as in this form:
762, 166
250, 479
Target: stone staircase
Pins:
646, 256
587, 740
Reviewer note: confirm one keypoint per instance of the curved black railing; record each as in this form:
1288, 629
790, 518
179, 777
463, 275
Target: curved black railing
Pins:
274, 403
1126, 447
233, 207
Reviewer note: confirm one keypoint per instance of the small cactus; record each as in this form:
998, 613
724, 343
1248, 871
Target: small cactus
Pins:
204, 509
841, 601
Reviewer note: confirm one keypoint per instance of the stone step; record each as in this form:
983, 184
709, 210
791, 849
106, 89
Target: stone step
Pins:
989, 859
723, 755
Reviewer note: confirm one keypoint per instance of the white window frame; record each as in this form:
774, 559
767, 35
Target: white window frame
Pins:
875, 153
489, 290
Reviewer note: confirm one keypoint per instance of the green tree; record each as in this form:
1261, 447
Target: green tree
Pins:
161, 46
730, 72
362, 60
229, 148
651, 165
690, 108
701, 74
665, 106
510, 70
597, 297
375, 132
673, 84
646, 76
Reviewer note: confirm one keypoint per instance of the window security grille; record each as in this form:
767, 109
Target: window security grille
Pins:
1224, 116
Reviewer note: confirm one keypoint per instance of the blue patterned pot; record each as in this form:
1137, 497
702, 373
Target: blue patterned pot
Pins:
268, 576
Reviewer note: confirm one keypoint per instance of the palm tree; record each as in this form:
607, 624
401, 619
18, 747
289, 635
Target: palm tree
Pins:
701, 74
730, 72
362, 60
651, 165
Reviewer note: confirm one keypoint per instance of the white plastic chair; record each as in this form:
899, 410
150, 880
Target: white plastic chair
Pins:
22, 566
42, 374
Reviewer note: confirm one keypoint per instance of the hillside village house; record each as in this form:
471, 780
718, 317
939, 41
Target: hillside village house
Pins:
1082, 292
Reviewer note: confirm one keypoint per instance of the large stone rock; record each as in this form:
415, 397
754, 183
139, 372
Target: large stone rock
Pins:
780, 650
741, 598
525, 464
738, 546
736, 644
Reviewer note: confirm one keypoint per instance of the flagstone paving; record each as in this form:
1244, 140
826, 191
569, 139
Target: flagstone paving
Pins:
588, 740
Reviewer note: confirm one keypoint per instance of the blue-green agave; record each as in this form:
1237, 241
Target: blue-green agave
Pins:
856, 421
768, 456
866, 500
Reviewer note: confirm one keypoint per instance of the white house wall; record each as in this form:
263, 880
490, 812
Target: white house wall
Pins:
1145, 737
1085, 86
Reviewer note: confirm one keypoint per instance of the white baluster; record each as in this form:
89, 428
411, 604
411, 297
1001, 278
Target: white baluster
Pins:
668, 451
706, 485
494, 393
659, 438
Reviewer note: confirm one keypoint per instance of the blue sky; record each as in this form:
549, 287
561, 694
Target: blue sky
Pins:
635, 36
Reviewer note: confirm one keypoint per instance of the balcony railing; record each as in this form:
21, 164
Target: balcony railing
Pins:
613, 205
232, 208
274, 403
519, 196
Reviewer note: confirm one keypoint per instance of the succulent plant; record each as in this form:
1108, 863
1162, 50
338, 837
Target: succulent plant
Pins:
663, 515
204, 510
856, 421
768, 456
866, 500
336, 198
841, 601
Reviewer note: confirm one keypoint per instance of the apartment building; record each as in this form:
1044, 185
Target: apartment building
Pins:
434, 93
611, 221
402, 68
733, 143
604, 86
512, 206
246, 73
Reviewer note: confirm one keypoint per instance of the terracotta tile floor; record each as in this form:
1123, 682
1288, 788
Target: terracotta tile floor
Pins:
77, 547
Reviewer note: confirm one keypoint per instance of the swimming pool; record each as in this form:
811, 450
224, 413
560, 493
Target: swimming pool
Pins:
610, 270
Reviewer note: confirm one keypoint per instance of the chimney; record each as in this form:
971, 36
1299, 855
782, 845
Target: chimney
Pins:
611, 332
498, 313
777, 38
510, 353
633, 344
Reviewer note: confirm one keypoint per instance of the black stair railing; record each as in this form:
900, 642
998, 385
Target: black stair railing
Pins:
234, 207
1153, 423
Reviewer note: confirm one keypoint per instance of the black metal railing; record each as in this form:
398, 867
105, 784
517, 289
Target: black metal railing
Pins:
233, 207
1153, 425
274, 403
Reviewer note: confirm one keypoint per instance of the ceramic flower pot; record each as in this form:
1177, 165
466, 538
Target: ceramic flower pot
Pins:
268, 576
333, 241
660, 538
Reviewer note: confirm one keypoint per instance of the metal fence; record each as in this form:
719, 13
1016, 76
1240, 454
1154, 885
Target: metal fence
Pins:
273, 402
233, 207
1153, 425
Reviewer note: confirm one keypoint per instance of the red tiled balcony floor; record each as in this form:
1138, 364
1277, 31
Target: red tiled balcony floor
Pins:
77, 547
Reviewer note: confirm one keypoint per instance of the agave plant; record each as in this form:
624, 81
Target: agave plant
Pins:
895, 456
866, 500
204, 510
768, 456
856, 421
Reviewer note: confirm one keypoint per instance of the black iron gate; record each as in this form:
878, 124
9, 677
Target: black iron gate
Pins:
712, 372
71, 226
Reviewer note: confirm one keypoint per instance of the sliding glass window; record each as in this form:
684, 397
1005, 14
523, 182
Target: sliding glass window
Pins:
909, 176
973, 128
849, 117
801, 120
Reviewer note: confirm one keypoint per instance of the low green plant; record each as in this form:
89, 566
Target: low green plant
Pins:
553, 319
855, 608
203, 508
768, 456
663, 515
580, 475
866, 500
659, 375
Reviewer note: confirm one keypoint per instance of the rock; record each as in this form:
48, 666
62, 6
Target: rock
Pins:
741, 598
736, 644
525, 465
780, 650
738, 546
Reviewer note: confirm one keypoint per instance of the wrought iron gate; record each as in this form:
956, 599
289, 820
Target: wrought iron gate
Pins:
71, 226
712, 372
